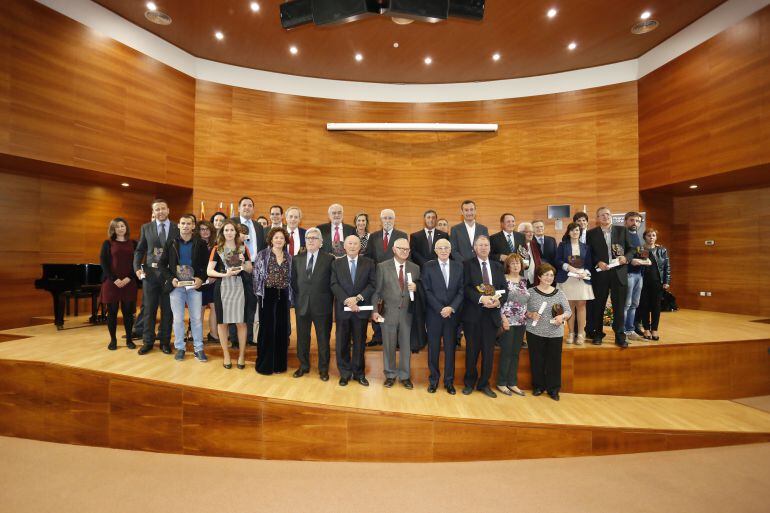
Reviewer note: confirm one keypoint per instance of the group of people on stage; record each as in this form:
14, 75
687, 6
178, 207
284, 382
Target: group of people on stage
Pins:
416, 290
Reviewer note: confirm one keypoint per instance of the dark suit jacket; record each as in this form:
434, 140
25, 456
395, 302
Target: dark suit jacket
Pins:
259, 235
547, 249
598, 248
149, 241
437, 294
462, 249
563, 252
344, 287
374, 246
301, 239
421, 251
499, 244
312, 294
326, 233
472, 310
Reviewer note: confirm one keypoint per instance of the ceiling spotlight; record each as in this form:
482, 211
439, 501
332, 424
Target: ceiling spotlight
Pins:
219, 35
254, 7
359, 57
428, 60
395, 45
551, 12
645, 15
124, 184
572, 46
694, 186
151, 6
496, 57
293, 50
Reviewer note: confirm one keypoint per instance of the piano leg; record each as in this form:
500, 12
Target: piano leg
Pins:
58, 310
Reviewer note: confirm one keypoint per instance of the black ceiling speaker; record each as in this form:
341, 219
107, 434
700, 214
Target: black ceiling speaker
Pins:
469, 9
295, 13
421, 10
329, 12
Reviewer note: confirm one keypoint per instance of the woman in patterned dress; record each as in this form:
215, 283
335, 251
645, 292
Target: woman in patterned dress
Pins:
514, 313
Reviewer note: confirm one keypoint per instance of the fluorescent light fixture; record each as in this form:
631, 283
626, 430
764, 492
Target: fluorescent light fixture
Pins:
124, 184
412, 127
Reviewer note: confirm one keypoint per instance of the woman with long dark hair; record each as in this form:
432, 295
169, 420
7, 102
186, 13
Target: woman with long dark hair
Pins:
207, 233
118, 280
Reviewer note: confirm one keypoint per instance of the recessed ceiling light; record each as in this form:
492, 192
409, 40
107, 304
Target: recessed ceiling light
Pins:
395, 45
645, 15
551, 12
124, 184
151, 6
359, 57
254, 6
219, 35
694, 186
572, 45
428, 60
293, 50
496, 57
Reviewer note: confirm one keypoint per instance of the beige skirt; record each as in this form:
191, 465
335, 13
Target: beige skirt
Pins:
576, 289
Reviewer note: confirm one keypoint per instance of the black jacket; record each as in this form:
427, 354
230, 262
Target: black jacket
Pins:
344, 287
472, 310
595, 242
499, 244
170, 259
421, 250
312, 294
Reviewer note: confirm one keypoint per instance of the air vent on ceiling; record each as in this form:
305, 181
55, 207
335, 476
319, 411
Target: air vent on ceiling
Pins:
644, 26
157, 17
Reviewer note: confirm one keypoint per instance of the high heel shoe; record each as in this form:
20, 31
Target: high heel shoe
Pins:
227, 365
241, 365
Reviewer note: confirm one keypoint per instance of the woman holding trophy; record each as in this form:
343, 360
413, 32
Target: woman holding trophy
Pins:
514, 319
547, 311
573, 259
228, 259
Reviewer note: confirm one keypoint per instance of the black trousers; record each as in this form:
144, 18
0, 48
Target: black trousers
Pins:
545, 361
152, 298
649, 305
480, 338
273, 347
139, 323
440, 331
589, 329
323, 329
611, 286
351, 332
127, 308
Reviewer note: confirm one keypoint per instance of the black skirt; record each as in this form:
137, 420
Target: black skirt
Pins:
273, 344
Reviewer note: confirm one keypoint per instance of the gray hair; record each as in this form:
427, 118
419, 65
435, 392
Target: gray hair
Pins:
522, 226
315, 230
294, 208
386, 210
329, 210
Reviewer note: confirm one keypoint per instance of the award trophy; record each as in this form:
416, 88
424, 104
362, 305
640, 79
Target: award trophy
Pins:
524, 254
155, 257
643, 254
338, 250
556, 310
577, 262
185, 276
233, 260
617, 252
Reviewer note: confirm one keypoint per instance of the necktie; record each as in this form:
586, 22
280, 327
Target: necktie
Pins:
353, 271
430, 239
385, 241
401, 276
291, 243
337, 233
510, 242
309, 269
485, 273
445, 272
162, 235
540, 241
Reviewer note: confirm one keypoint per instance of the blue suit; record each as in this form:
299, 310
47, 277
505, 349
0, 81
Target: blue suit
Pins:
438, 296
563, 252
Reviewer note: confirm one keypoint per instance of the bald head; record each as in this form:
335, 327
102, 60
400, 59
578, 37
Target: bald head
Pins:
352, 246
443, 249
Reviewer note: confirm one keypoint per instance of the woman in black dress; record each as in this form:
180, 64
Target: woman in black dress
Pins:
207, 232
118, 280
272, 279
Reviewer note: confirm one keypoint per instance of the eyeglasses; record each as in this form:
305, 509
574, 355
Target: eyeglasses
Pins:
402, 249
312, 238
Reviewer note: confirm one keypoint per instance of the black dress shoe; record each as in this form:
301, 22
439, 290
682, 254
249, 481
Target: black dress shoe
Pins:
166, 348
324, 376
144, 349
488, 392
113, 345
432, 389
373, 343
467, 390
407, 383
621, 343
209, 338
299, 373
537, 391
639, 331
451, 389
597, 341
130, 344
362, 381
389, 382
344, 382
251, 343
655, 337
554, 395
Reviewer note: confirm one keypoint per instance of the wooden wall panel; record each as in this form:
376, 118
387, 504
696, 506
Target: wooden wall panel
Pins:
708, 111
71, 96
566, 148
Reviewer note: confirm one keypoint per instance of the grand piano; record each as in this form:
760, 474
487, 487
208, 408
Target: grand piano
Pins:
75, 280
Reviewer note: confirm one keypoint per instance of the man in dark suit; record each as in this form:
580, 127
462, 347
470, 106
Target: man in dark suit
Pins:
335, 231
610, 246
380, 248
481, 315
464, 235
352, 282
507, 240
255, 241
443, 283
546, 244
296, 242
311, 281
147, 257
422, 242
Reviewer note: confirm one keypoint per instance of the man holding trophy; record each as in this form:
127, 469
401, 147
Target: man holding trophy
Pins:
611, 249
183, 266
